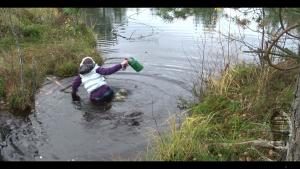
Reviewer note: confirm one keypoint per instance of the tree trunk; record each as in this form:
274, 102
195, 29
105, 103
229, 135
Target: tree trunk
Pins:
293, 151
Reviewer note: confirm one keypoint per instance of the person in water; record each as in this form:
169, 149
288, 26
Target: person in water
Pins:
91, 76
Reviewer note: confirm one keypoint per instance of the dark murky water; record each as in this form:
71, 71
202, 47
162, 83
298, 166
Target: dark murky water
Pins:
172, 53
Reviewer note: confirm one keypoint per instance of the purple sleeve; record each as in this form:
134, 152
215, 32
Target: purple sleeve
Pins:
110, 70
76, 84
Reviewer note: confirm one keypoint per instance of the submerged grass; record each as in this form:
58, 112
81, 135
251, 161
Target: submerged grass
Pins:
51, 42
235, 108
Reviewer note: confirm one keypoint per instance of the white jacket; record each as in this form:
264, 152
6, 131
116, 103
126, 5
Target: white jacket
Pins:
92, 80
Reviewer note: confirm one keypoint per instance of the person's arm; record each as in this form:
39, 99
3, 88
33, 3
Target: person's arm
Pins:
113, 69
109, 70
75, 86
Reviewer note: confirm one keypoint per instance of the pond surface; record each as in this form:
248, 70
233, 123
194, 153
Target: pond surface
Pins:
173, 52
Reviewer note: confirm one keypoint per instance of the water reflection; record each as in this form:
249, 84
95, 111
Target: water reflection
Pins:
103, 20
207, 16
111, 23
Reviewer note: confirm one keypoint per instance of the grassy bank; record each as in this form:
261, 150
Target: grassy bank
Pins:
235, 112
52, 42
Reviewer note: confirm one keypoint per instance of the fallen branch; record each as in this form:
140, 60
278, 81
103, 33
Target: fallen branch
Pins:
261, 155
63, 90
59, 84
258, 143
120, 36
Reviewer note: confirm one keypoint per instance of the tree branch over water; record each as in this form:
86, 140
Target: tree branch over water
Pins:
274, 37
266, 55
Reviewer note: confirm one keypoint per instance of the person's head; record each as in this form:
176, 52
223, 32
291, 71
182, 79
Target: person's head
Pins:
86, 65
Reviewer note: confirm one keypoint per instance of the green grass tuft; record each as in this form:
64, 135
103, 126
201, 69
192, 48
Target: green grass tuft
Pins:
234, 109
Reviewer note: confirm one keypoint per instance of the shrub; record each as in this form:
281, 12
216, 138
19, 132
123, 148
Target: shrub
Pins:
19, 102
33, 31
68, 68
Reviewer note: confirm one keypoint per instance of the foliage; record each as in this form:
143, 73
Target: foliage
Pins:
71, 11
19, 102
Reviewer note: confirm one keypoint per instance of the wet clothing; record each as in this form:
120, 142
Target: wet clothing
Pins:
106, 97
92, 80
103, 92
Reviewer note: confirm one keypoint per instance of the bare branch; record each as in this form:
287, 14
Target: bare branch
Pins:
259, 51
274, 41
282, 25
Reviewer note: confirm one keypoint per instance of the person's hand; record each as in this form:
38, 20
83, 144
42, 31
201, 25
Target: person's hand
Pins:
75, 97
124, 64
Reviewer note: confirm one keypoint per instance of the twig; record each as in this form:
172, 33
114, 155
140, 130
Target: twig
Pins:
131, 34
275, 40
122, 23
282, 25
262, 39
156, 124
113, 31
243, 42
120, 35
259, 51
261, 155
63, 90
290, 53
